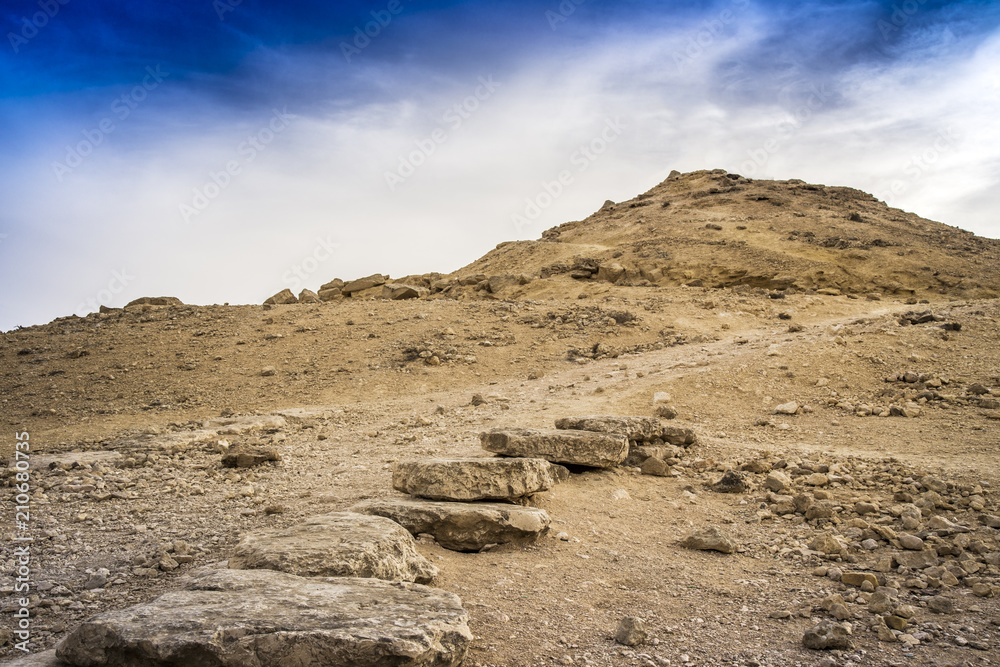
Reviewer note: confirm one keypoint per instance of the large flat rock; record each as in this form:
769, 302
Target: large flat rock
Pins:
342, 544
262, 618
585, 448
641, 429
461, 526
475, 479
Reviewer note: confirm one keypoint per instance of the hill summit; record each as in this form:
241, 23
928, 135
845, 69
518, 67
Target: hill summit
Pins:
719, 229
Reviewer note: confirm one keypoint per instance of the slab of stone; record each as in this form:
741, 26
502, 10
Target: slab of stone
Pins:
249, 456
461, 526
476, 478
342, 544
641, 429
585, 448
258, 618
916, 560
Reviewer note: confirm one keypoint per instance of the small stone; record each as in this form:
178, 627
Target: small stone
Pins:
827, 544
859, 578
885, 634
941, 604
826, 636
982, 590
911, 542
268, 371
631, 631
655, 466
896, 622
879, 603
840, 612
732, 482
787, 408
817, 479
777, 481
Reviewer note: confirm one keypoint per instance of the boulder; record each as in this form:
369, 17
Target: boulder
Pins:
461, 526
500, 283
343, 544
283, 297
399, 292
336, 284
261, 617
586, 448
710, 539
332, 294
611, 272
641, 429
308, 296
476, 479
361, 284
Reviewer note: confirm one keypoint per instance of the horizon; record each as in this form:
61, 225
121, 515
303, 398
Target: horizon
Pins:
207, 150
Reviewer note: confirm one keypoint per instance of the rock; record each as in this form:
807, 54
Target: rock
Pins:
655, 466
915, 560
631, 631
343, 544
709, 539
817, 479
777, 481
731, 482
498, 284
787, 408
941, 604
283, 297
611, 272
476, 479
587, 448
862, 508
859, 578
826, 636
885, 634
268, 371
247, 456
368, 282
681, 437
880, 603
911, 542
333, 294
399, 292
308, 296
668, 412
896, 622
641, 429
756, 466
461, 526
827, 544
262, 617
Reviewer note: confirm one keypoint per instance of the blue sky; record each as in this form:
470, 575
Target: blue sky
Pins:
221, 151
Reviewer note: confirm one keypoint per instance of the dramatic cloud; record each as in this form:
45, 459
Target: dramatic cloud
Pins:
222, 151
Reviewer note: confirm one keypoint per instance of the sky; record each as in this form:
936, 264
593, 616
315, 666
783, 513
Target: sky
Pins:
222, 150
